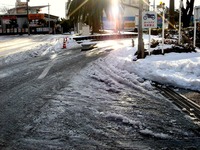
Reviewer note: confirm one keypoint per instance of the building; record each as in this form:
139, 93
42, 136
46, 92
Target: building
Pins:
128, 18
24, 19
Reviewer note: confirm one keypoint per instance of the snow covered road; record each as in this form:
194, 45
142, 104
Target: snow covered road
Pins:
70, 99
14, 44
25, 86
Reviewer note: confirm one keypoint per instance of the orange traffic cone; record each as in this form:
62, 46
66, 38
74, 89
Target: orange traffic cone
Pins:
64, 43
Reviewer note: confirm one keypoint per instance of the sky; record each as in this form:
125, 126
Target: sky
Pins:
57, 7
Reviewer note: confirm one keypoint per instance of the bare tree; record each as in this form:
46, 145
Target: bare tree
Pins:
4, 10
187, 13
171, 14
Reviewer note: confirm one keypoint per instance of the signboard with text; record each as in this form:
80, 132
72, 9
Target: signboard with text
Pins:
149, 19
128, 23
35, 16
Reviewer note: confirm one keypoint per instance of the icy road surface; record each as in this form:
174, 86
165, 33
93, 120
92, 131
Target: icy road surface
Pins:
70, 99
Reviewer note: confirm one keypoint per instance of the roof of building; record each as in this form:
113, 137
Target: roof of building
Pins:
29, 7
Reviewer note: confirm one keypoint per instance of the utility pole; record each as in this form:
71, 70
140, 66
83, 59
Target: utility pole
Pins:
154, 5
27, 16
140, 51
49, 16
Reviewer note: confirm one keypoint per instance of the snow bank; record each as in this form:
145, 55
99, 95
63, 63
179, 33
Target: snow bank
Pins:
180, 70
38, 45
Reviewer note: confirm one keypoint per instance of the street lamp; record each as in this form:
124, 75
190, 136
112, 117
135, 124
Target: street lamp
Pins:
27, 17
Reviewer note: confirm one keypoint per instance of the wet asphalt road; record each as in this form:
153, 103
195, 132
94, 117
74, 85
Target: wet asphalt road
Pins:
26, 85
41, 109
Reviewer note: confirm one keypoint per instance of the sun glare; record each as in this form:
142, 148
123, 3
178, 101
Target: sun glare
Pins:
114, 10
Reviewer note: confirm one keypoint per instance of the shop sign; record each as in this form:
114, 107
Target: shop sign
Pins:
35, 16
9, 17
129, 24
6, 19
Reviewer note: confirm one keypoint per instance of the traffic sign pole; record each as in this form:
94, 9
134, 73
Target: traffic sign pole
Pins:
163, 31
149, 40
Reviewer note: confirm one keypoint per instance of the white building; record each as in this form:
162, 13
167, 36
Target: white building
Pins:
18, 21
128, 20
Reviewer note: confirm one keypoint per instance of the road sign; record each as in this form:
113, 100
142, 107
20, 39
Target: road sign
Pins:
149, 19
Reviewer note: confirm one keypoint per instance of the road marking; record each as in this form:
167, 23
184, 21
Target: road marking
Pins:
46, 70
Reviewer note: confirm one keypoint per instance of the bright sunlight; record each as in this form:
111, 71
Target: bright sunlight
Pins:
115, 13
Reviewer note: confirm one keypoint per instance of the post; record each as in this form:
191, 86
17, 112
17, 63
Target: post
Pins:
179, 28
27, 17
195, 26
150, 32
49, 16
149, 40
154, 5
140, 34
163, 28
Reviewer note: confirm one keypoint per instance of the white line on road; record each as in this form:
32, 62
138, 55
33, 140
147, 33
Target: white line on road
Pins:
46, 70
